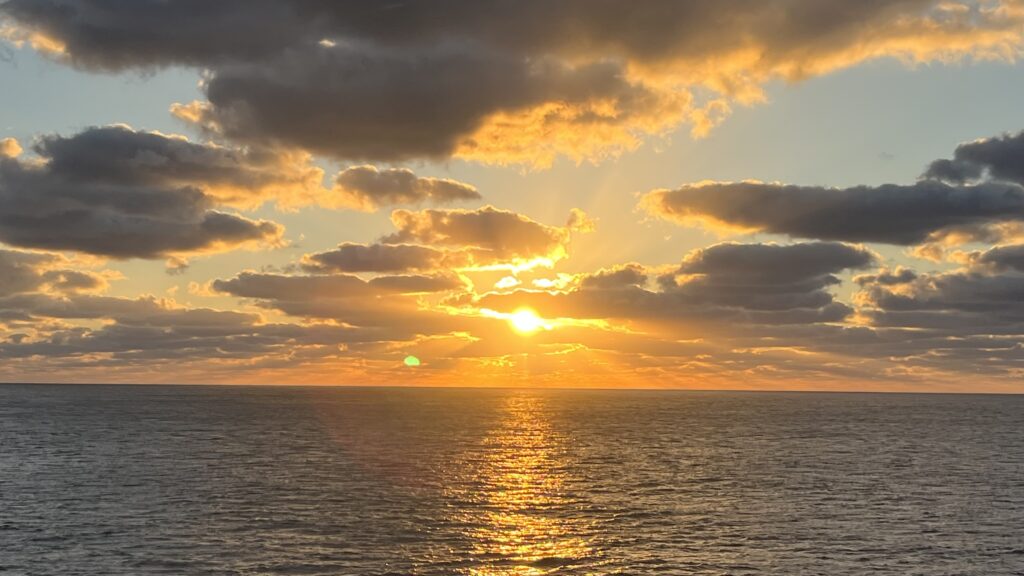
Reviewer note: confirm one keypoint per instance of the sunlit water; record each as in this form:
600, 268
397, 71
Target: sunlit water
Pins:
218, 480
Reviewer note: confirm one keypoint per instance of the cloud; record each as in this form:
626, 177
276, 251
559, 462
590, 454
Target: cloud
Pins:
491, 234
586, 81
418, 284
327, 99
773, 264
368, 188
20, 271
1000, 158
931, 326
889, 214
960, 321
765, 276
965, 292
467, 240
336, 286
143, 334
390, 303
385, 258
10, 148
714, 290
105, 35
280, 287
580, 221
625, 276
128, 204
243, 177
976, 196
24, 272
1008, 257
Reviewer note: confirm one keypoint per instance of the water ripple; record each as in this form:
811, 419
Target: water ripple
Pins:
307, 481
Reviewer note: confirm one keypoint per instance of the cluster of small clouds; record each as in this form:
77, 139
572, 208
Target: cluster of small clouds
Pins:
964, 319
118, 192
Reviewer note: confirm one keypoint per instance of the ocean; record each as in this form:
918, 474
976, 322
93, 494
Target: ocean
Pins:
138, 480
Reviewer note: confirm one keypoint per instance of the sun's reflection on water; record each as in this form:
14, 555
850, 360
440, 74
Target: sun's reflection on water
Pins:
526, 523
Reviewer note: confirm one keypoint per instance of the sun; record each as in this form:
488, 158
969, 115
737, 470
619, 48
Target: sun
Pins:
526, 321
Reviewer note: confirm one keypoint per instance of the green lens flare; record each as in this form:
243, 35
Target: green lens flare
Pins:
412, 361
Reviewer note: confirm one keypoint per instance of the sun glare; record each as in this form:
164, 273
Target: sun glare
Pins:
526, 321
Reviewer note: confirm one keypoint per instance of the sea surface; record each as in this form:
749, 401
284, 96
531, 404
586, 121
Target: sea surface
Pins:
138, 480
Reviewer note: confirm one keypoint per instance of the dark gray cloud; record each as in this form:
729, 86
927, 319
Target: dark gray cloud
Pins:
22, 272
417, 284
431, 240
312, 73
143, 311
370, 188
119, 34
891, 214
997, 296
1000, 158
978, 195
765, 276
137, 332
1009, 257
390, 258
113, 34
626, 276
384, 302
282, 287
360, 102
494, 233
65, 203
961, 321
123, 156
774, 264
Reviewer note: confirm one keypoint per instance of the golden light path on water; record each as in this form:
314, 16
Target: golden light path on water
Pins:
525, 528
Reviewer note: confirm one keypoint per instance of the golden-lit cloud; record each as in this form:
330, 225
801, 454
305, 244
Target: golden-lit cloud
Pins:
239, 177
483, 239
382, 258
485, 236
10, 148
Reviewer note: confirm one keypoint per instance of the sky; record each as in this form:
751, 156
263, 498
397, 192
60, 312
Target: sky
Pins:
784, 194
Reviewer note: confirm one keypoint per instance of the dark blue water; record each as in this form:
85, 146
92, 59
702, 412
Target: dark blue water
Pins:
222, 480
